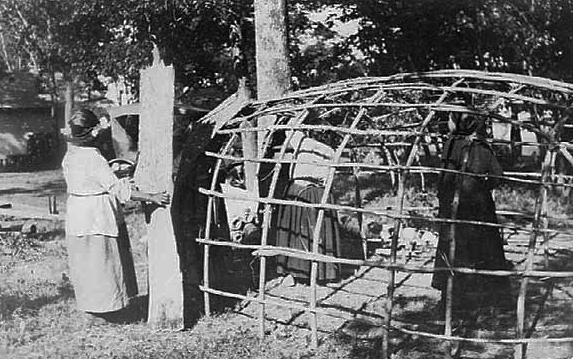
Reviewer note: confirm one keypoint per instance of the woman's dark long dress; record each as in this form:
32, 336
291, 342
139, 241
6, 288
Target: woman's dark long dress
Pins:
189, 211
295, 227
477, 246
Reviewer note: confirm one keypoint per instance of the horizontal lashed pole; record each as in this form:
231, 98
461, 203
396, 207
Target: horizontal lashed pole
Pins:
370, 211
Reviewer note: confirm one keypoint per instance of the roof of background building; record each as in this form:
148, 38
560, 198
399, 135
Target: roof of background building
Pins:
19, 90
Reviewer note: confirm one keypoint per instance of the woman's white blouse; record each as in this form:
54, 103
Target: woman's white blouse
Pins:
95, 194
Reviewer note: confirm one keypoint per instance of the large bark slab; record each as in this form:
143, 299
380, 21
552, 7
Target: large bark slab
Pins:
154, 174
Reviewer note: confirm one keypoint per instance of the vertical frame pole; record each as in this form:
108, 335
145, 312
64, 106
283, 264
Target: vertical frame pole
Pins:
267, 217
397, 227
208, 221
521, 349
318, 226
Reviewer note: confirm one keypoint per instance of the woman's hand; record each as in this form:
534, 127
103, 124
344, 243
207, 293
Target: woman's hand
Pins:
161, 199
151, 201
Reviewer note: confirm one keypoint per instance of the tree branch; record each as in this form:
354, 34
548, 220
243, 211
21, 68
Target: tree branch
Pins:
5, 52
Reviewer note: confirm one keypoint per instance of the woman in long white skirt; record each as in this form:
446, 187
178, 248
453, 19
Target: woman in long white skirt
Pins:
99, 252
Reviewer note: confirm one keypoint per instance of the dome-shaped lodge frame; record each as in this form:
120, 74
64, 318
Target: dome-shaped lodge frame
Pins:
392, 129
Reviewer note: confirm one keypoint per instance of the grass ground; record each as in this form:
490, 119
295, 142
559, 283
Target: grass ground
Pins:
38, 318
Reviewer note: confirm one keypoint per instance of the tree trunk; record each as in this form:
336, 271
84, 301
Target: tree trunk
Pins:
273, 80
69, 102
5, 53
54, 99
249, 143
54, 112
272, 57
273, 72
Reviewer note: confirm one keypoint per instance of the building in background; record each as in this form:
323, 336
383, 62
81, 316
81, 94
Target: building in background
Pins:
28, 130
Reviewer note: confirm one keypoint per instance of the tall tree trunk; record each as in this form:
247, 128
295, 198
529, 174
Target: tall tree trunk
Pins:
271, 37
53, 110
54, 98
249, 142
244, 93
272, 60
5, 53
273, 80
69, 102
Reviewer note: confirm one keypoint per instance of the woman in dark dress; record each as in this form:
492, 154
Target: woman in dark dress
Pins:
295, 224
295, 230
476, 246
194, 170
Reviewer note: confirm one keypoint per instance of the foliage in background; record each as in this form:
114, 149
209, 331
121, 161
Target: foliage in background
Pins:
531, 37
86, 39
211, 42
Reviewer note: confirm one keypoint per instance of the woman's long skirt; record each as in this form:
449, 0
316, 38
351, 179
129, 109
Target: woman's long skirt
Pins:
477, 247
102, 271
295, 227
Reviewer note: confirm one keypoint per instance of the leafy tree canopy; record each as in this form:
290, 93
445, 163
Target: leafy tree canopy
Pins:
523, 36
84, 39
206, 39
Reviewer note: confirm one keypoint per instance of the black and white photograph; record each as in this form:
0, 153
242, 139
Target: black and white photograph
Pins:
278, 179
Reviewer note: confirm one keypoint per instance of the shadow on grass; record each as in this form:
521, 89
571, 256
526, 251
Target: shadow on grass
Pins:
240, 275
136, 312
23, 304
548, 315
231, 271
56, 233
39, 190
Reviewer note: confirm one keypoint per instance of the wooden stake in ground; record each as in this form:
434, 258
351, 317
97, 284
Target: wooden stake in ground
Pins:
154, 174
